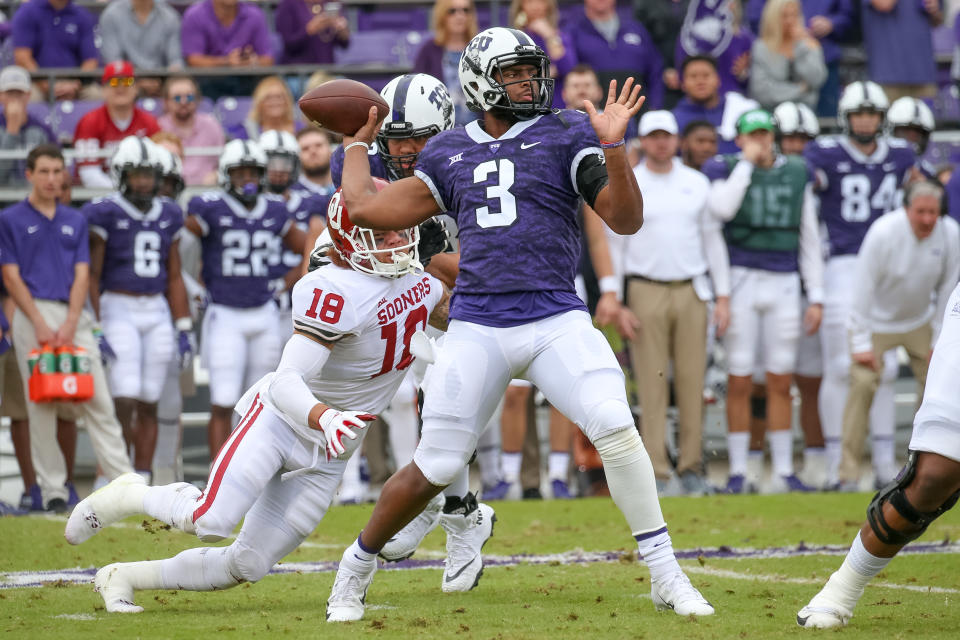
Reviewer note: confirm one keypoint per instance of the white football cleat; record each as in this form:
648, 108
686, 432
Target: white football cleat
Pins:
826, 610
120, 498
348, 596
677, 593
115, 589
466, 535
405, 542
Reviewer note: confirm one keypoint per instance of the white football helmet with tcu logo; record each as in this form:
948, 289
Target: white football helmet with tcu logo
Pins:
420, 107
859, 97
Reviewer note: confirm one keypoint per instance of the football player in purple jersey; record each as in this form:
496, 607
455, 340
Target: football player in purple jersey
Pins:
239, 226
513, 181
859, 174
135, 286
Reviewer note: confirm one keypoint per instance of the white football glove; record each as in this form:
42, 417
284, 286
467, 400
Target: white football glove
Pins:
337, 425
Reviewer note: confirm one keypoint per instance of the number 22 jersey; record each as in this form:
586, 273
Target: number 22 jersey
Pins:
515, 201
856, 189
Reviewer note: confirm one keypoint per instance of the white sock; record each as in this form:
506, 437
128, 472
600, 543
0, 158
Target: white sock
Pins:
200, 569
489, 460
738, 443
144, 575
813, 455
511, 465
858, 568
656, 550
755, 468
173, 504
781, 451
833, 451
358, 555
460, 485
630, 478
863, 562
558, 465
884, 457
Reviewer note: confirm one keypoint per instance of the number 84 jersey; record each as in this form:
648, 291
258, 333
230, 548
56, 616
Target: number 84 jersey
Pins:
856, 189
370, 320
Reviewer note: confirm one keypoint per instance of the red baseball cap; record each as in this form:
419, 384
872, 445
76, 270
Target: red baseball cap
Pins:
118, 69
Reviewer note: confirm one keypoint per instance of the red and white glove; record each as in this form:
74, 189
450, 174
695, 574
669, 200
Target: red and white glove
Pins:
337, 425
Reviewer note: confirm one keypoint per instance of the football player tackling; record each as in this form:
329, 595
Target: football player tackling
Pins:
279, 470
513, 181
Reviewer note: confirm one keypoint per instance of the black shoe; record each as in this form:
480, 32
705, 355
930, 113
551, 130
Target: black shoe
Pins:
57, 505
532, 493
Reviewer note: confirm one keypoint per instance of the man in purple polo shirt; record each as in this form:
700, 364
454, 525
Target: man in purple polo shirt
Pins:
898, 38
45, 255
55, 33
617, 48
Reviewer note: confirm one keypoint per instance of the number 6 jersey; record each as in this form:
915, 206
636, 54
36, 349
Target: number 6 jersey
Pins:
370, 321
856, 189
137, 242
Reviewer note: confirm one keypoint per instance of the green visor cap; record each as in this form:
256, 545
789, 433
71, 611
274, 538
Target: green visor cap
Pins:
755, 119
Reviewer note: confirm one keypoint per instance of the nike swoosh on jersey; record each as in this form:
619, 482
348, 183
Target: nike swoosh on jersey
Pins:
456, 575
524, 145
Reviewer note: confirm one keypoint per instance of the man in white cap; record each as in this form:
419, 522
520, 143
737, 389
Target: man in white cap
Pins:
18, 129
668, 267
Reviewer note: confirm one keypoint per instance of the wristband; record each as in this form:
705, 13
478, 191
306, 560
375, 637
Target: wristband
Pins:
612, 145
357, 143
183, 324
608, 284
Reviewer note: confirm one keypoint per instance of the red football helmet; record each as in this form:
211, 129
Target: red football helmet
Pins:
374, 252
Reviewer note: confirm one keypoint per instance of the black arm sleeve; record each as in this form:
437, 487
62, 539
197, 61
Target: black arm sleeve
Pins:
591, 177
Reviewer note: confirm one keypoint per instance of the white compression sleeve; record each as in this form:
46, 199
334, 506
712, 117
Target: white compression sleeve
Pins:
302, 360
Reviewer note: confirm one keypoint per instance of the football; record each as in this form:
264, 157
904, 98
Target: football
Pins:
341, 105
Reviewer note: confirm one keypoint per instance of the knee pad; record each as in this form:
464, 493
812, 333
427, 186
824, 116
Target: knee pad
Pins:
246, 563
758, 407
608, 415
440, 467
894, 494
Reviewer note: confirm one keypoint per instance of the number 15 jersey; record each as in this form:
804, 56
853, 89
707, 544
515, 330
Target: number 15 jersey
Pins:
370, 321
515, 200
856, 189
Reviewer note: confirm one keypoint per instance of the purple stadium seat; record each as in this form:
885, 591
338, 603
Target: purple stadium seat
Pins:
396, 18
67, 113
942, 152
41, 111
206, 105
382, 47
485, 15
231, 111
943, 41
946, 105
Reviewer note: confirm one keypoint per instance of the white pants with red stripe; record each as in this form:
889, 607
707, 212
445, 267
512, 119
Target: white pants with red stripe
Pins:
247, 482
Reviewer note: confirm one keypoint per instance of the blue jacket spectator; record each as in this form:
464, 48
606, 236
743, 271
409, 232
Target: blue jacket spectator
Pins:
617, 48
309, 32
898, 38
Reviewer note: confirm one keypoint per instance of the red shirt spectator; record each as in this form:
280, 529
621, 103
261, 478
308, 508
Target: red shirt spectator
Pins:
106, 126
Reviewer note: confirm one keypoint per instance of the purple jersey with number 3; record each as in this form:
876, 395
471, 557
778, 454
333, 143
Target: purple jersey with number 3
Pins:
856, 189
238, 245
515, 202
137, 242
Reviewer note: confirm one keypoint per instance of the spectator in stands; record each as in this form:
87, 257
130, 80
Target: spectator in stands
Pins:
45, 257
786, 61
666, 269
145, 32
18, 128
226, 33
272, 108
898, 39
454, 23
617, 49
538, 18
716, 29
195, 129
703, 100
103, 128
907, 267
831, 22
55, 33
315, 152
698, 143
664, 21
581, 84
310, 29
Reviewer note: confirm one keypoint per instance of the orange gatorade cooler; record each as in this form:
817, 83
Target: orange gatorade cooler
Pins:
54, 379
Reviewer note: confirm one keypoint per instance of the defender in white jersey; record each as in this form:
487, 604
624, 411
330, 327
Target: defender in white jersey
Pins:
927, 487
354, 320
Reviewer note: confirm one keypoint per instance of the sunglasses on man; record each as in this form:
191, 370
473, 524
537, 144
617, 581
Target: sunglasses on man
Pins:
120, 82
185, 98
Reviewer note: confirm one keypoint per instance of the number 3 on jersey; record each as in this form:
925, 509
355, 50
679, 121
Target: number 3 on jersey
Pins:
503, 169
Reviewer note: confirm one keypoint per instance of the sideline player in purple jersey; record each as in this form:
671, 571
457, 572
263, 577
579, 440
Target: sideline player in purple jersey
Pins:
513, 181
859, 174
135, 285
283, 169
238, 226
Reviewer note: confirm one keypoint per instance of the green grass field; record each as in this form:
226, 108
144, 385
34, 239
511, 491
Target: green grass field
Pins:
754, 597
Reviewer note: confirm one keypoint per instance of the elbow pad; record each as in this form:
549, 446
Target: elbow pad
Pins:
591, 178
